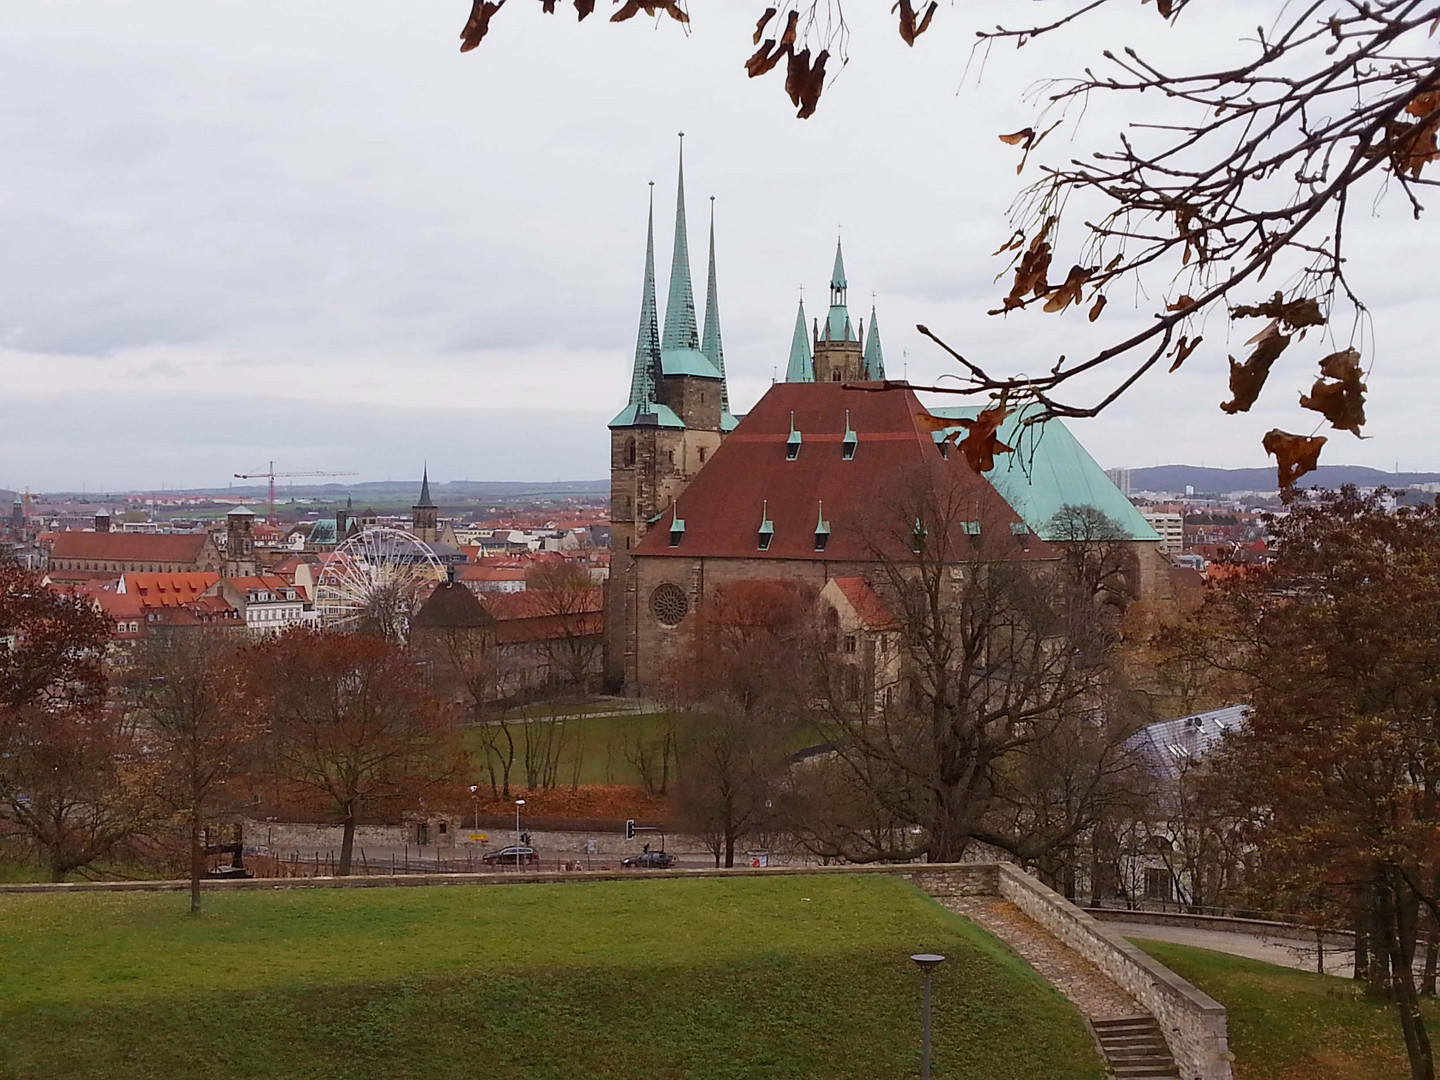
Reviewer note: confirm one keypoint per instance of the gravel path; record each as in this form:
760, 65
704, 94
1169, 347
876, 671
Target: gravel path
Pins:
1074, 976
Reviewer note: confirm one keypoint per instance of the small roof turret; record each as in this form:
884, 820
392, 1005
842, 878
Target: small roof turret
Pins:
837, 325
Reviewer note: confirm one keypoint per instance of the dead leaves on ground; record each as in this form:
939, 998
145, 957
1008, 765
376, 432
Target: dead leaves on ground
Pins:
980, 444
1295, 455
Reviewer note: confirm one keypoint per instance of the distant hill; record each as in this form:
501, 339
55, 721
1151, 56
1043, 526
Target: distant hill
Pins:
1218, 481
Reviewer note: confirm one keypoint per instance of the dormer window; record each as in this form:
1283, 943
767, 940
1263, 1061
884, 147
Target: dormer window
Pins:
942, 441
792, 444
917, 537
850, 441
677, 527
970, 528
822, 530
767, 528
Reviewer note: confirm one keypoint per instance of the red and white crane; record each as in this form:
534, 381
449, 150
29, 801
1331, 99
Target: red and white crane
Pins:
271, 474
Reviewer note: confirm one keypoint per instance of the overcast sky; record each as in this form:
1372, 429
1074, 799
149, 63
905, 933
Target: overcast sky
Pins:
316, 233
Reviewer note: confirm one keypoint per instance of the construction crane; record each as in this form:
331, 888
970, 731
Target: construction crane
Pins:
272, 474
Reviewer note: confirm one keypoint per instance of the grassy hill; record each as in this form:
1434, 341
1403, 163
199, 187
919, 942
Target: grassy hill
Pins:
1287, 1024
755, 978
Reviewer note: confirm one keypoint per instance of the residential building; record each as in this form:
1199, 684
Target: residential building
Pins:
1171, 527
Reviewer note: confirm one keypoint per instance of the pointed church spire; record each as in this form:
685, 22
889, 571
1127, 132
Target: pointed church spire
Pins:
425, 489
800, 368
711, 346
680, 330
837, 326
874, 358
647, 340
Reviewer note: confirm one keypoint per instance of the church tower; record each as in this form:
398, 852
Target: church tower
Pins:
838, 354
679, 410
240, 543
425, 515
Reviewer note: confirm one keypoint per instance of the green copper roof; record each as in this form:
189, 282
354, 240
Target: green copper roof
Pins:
425, 490
874, 358
687, 362
837, 324
1050, 469
728, 422
712, 347
680, 330
646, 371
656, 416
800, 368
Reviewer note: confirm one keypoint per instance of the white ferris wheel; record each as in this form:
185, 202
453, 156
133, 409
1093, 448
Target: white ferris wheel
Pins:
376, 580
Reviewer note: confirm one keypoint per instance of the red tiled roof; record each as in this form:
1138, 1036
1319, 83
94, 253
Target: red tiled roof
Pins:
538, 603
168, 590
130, 547
869, 608
77, 577
261, 581
722, 506
492, 573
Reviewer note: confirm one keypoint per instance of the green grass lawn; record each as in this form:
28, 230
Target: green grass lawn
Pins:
754, 978
1295, 1025
596, 744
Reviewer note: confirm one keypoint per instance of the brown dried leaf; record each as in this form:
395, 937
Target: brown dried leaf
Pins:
980, 445
1180, 304
547, 6
478, 25
1342, 402
1295, 314
1097, 307
1183, 349
1295, 455
583, 8
764, 59
1247, 379
1424, 104
909, 30
812, 85
1015, 138
629, 11
760, 26
787, 39
1017, 238
1164, 7
1068, 292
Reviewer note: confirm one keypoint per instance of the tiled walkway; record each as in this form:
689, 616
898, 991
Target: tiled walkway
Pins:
1079, 980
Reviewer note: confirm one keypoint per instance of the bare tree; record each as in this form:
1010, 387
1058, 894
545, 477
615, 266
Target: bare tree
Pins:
199, 735
355, 724
564, 592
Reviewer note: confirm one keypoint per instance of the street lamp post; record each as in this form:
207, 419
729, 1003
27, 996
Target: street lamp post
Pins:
927, 962
475, 801
518, 803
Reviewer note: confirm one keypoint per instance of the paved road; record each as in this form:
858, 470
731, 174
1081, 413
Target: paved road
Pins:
1284, 953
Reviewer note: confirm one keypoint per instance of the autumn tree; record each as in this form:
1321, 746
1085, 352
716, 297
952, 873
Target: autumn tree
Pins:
1247, 166
353, 723
742, 678
199, 731
69, 766
996, 657
565, 594
1339, 640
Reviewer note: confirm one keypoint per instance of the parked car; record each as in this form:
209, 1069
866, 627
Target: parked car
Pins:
511, 856
651, 860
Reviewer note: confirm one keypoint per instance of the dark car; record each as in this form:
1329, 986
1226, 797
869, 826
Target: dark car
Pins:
651, 860
511, 856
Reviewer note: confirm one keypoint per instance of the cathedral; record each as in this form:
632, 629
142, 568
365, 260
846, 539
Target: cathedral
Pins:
799, 487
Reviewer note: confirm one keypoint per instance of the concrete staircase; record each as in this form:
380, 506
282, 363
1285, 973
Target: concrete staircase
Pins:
1135, 1049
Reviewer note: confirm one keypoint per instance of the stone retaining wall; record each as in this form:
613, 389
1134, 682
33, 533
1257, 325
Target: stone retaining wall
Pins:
1194, 1024
1260, 928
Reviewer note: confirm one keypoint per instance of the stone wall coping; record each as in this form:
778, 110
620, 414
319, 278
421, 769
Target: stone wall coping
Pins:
498, 877
1164, 979
1225, 923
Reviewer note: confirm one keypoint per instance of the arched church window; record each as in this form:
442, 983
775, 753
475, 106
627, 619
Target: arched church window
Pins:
835, 376
629, 451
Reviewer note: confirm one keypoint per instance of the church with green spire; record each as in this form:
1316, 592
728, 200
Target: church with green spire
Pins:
836, 351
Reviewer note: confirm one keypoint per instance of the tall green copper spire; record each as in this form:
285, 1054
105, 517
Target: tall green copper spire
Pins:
837, 325
425, 489
874, 358
680, 332
711, 347
800, 368
647, 341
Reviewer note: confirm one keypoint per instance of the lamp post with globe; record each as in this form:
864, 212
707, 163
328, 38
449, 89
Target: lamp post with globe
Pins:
927, 962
